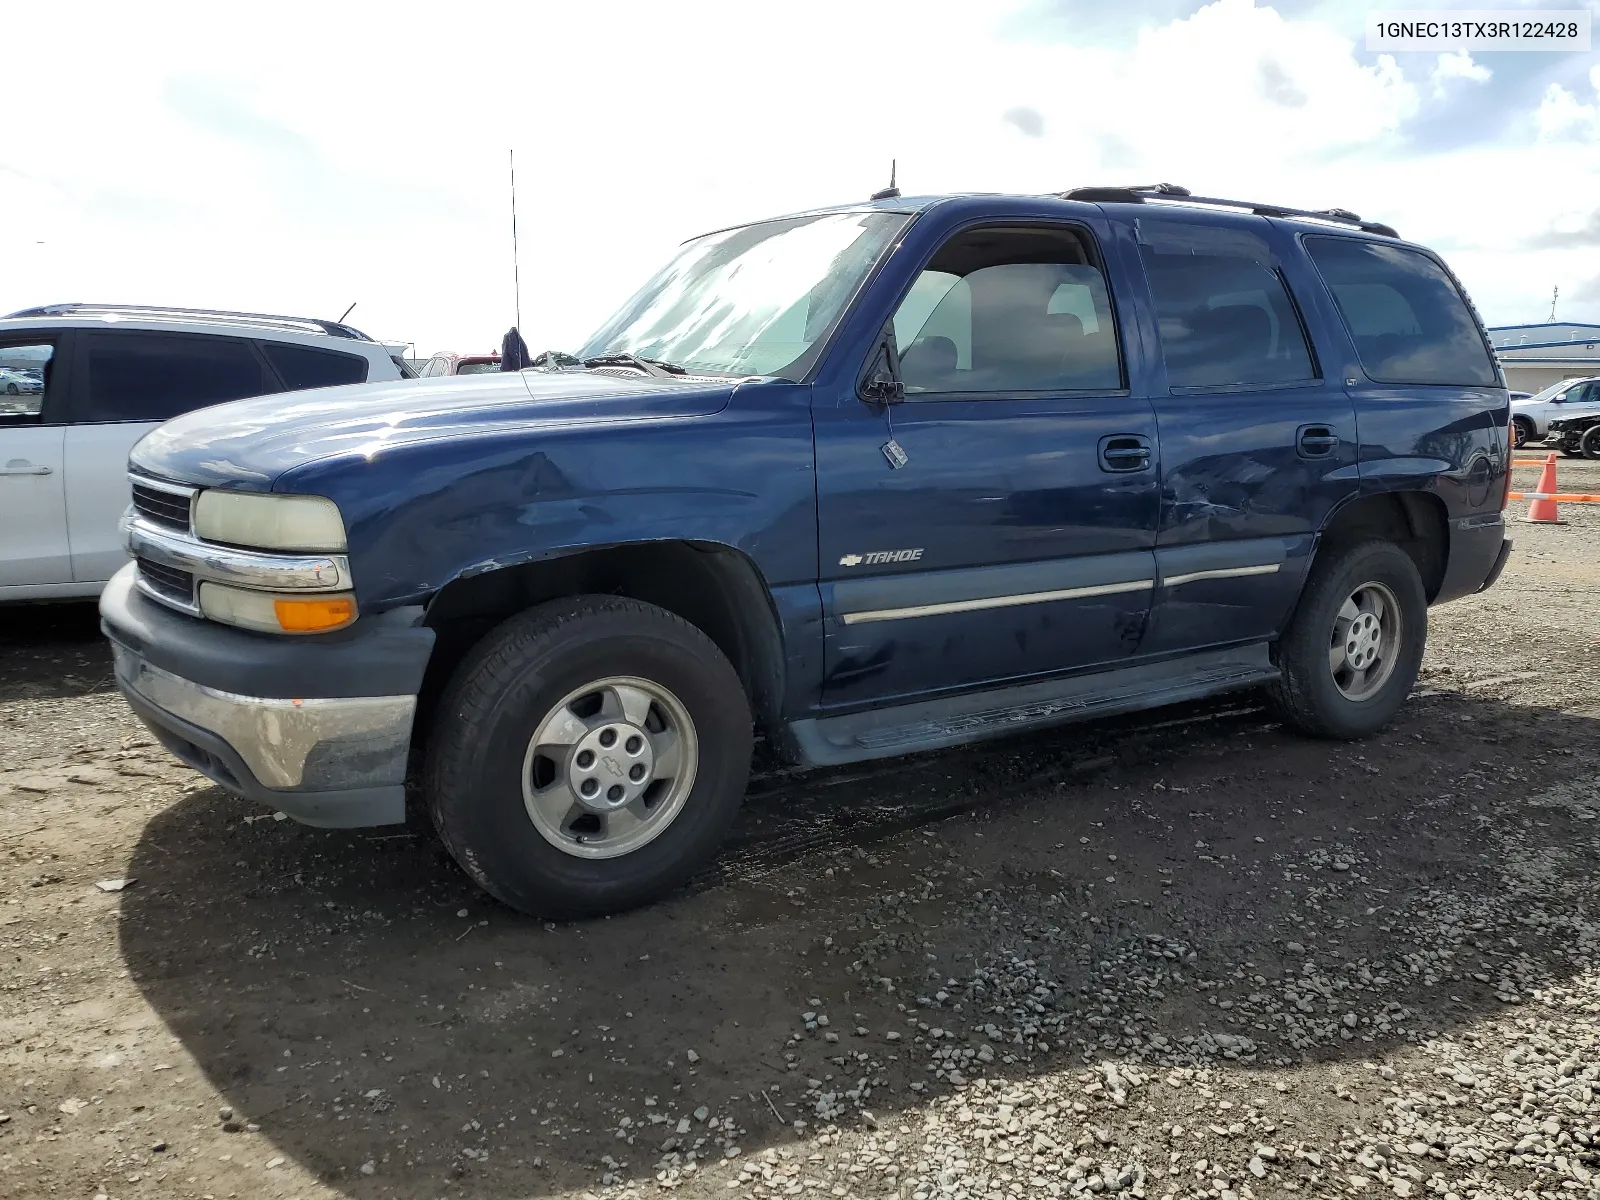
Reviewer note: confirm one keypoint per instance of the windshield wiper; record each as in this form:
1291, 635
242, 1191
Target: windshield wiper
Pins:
650, 366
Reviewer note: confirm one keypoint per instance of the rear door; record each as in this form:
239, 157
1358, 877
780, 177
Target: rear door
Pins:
1258, 439
34, 550
125, 383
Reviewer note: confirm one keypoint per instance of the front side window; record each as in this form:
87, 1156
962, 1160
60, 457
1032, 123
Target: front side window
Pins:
24, 374
1009, 310
303, 367
758, 300
1224, 312
153, 376
1409, 322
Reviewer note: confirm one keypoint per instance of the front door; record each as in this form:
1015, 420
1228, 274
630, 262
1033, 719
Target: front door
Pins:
34, 552
1016, 538
1258, 439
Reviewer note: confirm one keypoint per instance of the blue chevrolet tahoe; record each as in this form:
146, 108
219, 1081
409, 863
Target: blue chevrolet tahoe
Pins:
866, 481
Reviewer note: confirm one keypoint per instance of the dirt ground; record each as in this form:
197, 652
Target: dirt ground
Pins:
1180, 955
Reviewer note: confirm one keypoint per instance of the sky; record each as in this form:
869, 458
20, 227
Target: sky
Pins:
300, 158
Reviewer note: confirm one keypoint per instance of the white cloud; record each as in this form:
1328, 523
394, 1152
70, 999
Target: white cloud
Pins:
1456, 67
297, 157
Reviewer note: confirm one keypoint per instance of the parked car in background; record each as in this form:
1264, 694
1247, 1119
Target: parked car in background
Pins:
108, 375
871, 480
459, 364
1519, 395
1531, 415
21, 381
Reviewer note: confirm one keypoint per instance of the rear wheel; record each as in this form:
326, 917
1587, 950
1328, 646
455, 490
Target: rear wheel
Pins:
1590, 442
589, 756
1353, 649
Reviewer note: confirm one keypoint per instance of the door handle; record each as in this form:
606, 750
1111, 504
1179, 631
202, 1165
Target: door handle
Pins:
1121, 453
21, 466
1316, 441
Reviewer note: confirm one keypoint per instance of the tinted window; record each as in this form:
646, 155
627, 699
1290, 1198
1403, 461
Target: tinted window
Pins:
1225, 315
24, 371
1409, 322
302, 367
1009, 310
153, 376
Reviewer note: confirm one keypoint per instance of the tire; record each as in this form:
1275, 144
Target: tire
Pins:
1310, 697
1590, 442
13, 390
1570, 449
496, 798
1521, 433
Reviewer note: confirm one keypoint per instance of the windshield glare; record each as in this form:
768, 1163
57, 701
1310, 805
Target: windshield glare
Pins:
757, 300
1555, 389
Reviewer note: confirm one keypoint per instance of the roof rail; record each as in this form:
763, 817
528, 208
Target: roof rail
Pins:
1182, 195
264, 320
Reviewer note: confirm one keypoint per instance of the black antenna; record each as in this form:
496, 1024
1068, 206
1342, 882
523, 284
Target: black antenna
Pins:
516, 274
1555, 295
346, 313
890, 192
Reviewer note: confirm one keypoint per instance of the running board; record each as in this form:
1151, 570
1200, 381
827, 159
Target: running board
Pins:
954, 720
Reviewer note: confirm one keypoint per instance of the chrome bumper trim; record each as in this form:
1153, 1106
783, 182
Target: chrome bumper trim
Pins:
310, 745
239, 568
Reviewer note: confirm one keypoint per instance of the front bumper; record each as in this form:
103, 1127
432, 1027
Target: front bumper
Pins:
273, 718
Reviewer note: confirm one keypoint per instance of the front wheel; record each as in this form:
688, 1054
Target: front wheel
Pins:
1353, 649
1521, 433
1590, 442
13, 390
588, 756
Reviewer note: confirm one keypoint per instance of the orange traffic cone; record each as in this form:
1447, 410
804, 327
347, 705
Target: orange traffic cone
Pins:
1542, 508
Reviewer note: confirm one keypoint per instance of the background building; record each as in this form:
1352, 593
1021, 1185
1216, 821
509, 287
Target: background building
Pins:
1535, 356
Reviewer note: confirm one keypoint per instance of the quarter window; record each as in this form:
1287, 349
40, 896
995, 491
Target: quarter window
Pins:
1409, 322
1225, 314
154, 376
304, 367
1009, 310
24, 375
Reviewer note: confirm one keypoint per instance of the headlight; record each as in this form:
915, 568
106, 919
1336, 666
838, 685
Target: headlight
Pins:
269, 522
277, 612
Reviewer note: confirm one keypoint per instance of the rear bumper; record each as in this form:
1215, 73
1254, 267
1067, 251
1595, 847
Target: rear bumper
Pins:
1478, 552
274, 719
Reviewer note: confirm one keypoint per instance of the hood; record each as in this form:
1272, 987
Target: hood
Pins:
250, 443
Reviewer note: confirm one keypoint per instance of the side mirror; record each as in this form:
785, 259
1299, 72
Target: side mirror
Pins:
882, 384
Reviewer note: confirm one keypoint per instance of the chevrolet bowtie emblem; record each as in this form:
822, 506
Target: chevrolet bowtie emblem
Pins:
850, 560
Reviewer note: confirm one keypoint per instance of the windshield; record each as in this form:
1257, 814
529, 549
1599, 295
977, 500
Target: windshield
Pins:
477, 366
1554, 390
758, 300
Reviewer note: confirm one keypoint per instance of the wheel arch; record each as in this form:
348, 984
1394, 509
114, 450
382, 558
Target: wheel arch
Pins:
1416, 521
713, 586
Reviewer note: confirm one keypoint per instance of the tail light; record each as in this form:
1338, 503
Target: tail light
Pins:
1511, 451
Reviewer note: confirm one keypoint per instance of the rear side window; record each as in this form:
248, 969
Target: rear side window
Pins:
1225, 314
154, 376
25, 370
1409, 322
303, 367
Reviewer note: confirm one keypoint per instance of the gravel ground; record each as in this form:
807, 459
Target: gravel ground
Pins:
1180, 955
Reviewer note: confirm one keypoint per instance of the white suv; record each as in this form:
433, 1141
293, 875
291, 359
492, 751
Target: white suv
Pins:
109, 374
1531, 416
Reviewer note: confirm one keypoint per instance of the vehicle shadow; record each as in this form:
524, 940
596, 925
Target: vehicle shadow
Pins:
52, 650
352, 994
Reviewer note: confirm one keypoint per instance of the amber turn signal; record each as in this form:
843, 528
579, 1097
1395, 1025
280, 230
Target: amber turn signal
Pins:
314, 614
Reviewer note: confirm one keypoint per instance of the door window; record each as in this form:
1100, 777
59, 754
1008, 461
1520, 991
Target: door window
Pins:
154, 376
24, 375
303, 367
1003, 311
1408, 320
1225, 315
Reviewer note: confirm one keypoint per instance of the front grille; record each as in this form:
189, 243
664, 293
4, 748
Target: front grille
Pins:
175, 584
163, 508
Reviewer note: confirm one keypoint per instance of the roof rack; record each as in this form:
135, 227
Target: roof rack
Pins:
1182, 195
263, 320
